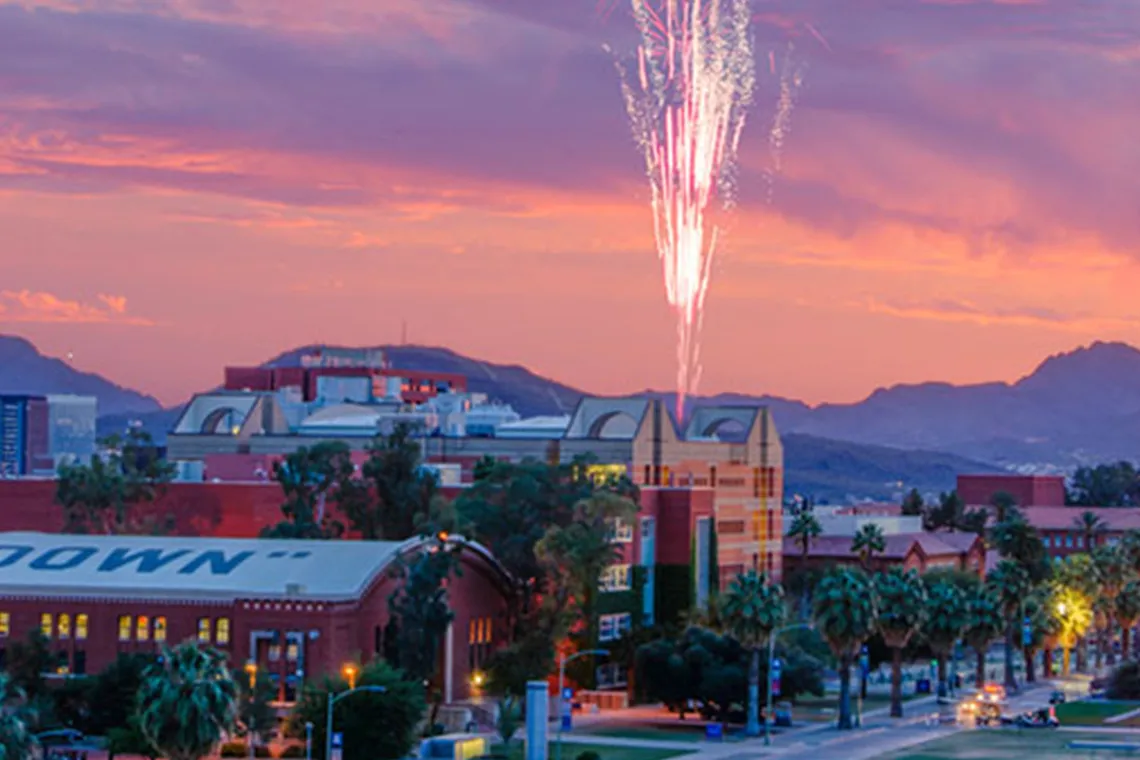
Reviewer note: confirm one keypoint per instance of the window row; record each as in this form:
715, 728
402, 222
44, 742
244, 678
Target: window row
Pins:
131, 627
613, 627
51, 626
479, 631
615, 578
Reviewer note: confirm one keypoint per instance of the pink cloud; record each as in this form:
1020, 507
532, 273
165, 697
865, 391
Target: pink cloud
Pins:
40, 306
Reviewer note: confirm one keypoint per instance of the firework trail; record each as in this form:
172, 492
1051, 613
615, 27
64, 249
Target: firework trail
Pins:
687, 94
791, 78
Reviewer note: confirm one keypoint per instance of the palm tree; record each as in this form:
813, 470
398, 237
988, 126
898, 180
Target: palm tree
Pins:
945, 621
1004, 505
867, 542
1010, 584
984, 623
15, 739
1090, 525
1074, 616
1112, 574
804, 529
1127, 614
753, 608
1017, 540
845, 614
901, 610
187, 702
1076, 573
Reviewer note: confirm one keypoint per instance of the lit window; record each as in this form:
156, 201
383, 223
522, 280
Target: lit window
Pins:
5, 623
620, 532
473, 632
81, 627
64, 626
142, 628
46, 624
612, 627
160, 629
615, 578
204, 630
292, 651
124, 627
223, 632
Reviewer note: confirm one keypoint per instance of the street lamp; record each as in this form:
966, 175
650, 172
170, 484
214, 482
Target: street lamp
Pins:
561, 685
772, 656
334, 698
349, 670
251, 671
308, 740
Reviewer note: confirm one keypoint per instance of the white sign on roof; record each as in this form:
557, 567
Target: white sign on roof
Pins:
222, 569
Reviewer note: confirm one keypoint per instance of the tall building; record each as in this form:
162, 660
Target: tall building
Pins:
71, 428
24, 437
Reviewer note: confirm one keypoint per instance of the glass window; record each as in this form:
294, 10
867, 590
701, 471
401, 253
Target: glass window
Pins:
1080, 542
223, 632
46, 624
5, 623
615, 578
81, 627
142, 628
64, 626
204, 630
160, 628
124, 627
1069, 541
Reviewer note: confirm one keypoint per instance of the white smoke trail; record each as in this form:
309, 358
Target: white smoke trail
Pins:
791, 79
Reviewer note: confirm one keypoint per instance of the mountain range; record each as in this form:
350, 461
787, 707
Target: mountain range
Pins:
1078, 407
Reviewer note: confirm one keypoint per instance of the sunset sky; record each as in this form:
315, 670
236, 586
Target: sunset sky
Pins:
186, 184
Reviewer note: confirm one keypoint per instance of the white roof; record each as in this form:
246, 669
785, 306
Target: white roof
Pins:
221, 569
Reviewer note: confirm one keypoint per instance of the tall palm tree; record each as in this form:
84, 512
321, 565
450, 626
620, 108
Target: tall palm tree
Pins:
1076, 575
804, 529
1010, 584
984, 623
945, 621
1016, 539
901, 611
1090, 525
15, 739
752, 609
1127, 614
845, 614
1004, 505
867, 541
187, 702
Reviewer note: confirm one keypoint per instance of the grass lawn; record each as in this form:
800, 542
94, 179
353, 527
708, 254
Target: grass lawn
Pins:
1004, 745
1091, 713
571, 751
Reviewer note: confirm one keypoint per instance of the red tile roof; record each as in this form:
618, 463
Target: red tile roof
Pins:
898, 546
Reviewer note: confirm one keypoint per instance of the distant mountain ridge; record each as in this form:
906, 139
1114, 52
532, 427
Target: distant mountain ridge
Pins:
1076, 407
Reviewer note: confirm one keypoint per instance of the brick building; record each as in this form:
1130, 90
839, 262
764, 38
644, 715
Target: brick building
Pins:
1026, 490
911, 551
299, 609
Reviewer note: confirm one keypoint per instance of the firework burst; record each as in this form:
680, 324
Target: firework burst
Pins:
791, 79
687, 93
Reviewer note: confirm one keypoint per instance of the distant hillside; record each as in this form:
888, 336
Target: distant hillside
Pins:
24, 370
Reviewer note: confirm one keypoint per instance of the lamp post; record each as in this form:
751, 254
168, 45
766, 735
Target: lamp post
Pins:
772, 656
251, 671
562, 684
334, 698
308, 740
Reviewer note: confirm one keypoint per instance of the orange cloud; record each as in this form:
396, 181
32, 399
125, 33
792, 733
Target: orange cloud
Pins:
40, 306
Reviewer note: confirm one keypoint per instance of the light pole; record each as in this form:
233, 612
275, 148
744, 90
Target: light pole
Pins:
308, 740
251, 670
562, 684
772, 656
333, 699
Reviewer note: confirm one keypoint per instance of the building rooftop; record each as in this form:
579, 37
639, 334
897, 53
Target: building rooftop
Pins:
896, 546
198, 569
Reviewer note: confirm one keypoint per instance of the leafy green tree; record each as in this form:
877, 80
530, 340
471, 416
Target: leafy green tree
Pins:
946, 619
1127, 615
868, 541
401, 496
1112, 573
845, 610
375, 725
1105, 485
1091, 527
15, 738
753, 609
28, 662
114, 691
913, 504
109, 494
984, 623
509, 720
902, 611
187, 702
419, 610
1011, 585
950, 514
128, 739
310, 477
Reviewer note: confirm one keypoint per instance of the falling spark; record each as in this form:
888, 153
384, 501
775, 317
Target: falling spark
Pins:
791, 78
687, 96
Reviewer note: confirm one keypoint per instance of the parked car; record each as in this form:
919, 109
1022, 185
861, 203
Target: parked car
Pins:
1057, 698
1046, 717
